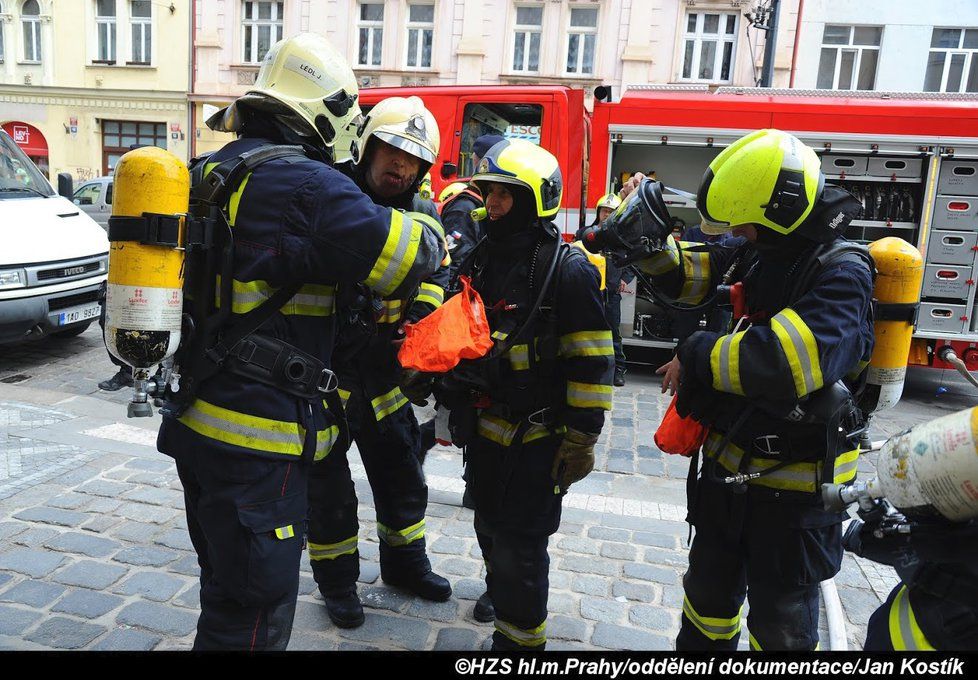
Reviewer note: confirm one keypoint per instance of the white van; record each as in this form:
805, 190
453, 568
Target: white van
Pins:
53, 257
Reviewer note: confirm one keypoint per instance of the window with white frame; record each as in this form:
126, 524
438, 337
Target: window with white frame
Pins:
849, 57
952, 65
371, 31
141, 29
526, 38
30, 19
105, 31
581, 38
261, 27
420, 32
709, 46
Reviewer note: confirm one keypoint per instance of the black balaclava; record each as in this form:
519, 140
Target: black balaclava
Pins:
268, 126
521, 218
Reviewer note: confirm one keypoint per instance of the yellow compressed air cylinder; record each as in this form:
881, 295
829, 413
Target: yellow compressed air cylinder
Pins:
900, 270
597, 260
144, 297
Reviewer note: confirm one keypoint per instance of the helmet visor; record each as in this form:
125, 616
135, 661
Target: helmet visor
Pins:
714, 228
406, 145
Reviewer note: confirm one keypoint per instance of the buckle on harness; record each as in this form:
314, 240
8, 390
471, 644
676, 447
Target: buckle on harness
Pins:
768, 444
542, 415
327, 382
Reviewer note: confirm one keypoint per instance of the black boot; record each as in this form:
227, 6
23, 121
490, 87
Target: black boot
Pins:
345, 609
121, 379
619, 376
426, 585
484, 612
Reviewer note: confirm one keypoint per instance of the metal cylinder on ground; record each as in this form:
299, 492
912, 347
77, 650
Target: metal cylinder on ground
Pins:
144, 296
900, 270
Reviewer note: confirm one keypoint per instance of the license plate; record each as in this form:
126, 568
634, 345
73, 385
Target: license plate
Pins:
79, 314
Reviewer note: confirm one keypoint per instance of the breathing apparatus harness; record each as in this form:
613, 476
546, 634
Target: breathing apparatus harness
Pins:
211, 340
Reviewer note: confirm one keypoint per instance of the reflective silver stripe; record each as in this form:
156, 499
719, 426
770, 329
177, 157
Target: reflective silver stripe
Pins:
495, 431
397, 258
244, 432
845, 469
802, 352
905, 620
386, 404
330, 551
404, 537
715, 630
519, 357
526, 638
577, 346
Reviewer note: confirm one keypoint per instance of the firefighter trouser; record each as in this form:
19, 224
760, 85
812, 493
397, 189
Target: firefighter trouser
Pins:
612, 312
894, 627
516, 511
773, 552
389, 451
245, 517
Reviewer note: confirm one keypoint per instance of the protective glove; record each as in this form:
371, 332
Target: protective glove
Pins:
416, 386
574, 458
891, 549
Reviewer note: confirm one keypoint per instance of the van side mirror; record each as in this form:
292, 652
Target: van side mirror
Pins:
66, 186
448, 170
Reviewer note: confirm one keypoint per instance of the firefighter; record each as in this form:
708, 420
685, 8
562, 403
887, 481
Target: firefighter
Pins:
616, 279
529, 413
396, 145
245, 445
772, 381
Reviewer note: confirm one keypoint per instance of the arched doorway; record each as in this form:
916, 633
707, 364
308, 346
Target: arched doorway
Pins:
32, 142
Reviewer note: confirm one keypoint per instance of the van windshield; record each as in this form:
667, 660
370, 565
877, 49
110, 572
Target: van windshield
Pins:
18, 175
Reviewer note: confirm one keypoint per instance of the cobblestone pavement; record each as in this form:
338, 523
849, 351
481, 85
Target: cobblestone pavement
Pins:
94, 552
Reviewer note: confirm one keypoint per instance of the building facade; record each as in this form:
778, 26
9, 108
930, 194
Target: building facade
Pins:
83, 81
578, 43
889, 45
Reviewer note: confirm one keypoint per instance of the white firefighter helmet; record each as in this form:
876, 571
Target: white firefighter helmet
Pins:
403, 122
307, 84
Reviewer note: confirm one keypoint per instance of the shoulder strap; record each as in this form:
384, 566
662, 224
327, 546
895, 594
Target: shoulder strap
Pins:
215, 187
824, 256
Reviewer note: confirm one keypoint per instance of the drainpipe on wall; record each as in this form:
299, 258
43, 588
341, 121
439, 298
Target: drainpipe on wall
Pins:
192, 105
794, 49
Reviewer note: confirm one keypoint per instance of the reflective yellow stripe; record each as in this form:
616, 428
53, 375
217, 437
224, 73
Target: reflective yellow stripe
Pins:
502, 431
696, 283
285, 532
499, 335
344, 396
794, 477
496, 429
246, 431
386, 404
587, 344
524, 637
754, 644
661, 262
390, 311
519, 357
235, 198
397, 256
586, 395
801, 350
399, 537
330, 551
325, 440
725, 363
431, 294
311, 300
711, 626
905, 634
844, 470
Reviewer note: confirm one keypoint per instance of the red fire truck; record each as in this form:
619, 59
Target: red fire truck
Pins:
911, 159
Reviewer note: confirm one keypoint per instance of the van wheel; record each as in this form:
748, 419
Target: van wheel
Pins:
74, 331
